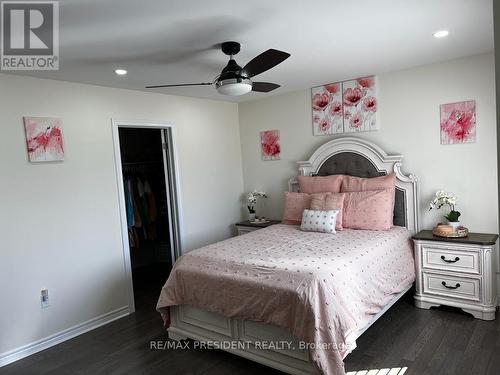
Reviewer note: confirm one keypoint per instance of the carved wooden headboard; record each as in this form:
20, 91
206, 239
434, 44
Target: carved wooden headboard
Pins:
357, 157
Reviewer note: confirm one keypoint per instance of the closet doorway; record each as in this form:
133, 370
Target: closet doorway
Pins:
149, 208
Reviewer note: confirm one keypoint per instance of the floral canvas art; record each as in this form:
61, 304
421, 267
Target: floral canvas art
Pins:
345, 107
270, 144
327, 109
44, 139
458, 122
360, 105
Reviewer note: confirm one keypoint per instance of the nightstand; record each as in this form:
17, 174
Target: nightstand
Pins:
459, 272
246, 226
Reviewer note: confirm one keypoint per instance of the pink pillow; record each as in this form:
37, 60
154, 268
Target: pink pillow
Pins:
372, 210
327, 202
320, 184
351, 183
295, 204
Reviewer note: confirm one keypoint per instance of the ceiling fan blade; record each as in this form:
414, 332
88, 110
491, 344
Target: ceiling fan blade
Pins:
265, 61
180, 85
264, 86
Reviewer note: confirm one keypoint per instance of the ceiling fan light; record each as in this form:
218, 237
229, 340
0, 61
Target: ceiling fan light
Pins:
234, 87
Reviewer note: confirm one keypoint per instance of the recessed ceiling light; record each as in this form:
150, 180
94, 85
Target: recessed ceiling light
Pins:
120, 72
440, 34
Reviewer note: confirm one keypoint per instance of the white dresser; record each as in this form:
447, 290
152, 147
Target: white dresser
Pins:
457, 272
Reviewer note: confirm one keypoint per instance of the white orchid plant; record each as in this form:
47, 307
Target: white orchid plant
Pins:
443, 198
252, 198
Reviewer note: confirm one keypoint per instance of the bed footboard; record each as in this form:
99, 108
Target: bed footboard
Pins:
263, 343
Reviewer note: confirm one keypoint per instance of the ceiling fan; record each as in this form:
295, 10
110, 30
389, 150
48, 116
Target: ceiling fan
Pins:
235, 80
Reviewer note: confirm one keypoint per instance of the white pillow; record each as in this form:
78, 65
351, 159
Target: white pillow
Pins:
319, 221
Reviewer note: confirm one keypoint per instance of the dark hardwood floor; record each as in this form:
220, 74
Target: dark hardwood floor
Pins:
439, 341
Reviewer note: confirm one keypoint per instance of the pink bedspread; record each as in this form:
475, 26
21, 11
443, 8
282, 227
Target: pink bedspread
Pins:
321, 287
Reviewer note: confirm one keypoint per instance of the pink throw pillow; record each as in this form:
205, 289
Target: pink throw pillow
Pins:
328, 202
320, 184
295, 204
372, 210
351, 183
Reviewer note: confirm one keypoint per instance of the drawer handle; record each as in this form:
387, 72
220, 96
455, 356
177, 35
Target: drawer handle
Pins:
449, 286
449, 260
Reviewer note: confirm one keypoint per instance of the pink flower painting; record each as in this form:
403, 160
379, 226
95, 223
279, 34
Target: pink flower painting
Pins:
320, 101
324, 125
360, 104
366, 82
332, 88
345, 107
44, 139
327, 109
356, 121
270, 144
458, 122
352, 96
370, 104
336, 109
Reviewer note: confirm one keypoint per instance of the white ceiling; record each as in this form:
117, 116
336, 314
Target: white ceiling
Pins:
166, 41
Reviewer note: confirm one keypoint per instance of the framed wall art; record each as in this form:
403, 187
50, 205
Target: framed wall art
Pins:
458, 122
270, 144
345, 107
44, 139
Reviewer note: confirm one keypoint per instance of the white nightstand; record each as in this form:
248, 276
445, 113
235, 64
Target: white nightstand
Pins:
459, 272
246, 226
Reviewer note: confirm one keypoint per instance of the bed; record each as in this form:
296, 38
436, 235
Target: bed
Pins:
297, 301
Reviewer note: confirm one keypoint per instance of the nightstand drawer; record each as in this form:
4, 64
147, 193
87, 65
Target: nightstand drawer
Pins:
451, 286
245, 230
443, 258
247, 226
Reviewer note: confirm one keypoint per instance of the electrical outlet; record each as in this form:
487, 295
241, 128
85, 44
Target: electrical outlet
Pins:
44, 298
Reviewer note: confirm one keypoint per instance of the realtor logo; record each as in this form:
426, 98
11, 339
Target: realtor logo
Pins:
29, 35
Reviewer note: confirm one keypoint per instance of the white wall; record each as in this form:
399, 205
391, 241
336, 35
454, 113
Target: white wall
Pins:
409, 114
59, 222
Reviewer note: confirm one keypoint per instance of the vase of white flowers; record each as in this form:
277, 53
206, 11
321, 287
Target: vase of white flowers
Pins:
443, 198
252, 199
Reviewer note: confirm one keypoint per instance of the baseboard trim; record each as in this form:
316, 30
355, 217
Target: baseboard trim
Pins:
57, 338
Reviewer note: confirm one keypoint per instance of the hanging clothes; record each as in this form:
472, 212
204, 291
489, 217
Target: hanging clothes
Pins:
128, 203
151, 200
143, 206
134, 239
135, 203
152, 210
142, 210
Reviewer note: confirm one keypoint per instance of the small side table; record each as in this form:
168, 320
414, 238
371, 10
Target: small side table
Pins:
246, 226
459, 272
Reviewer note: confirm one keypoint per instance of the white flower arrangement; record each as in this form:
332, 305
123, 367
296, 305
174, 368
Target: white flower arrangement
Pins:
443, 198
252, 198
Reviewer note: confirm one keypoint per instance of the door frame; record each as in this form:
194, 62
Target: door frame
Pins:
175, 207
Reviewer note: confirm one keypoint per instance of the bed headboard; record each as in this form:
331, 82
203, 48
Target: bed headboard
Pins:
358, 157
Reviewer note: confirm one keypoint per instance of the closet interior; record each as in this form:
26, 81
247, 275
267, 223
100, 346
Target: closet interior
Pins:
147, 210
